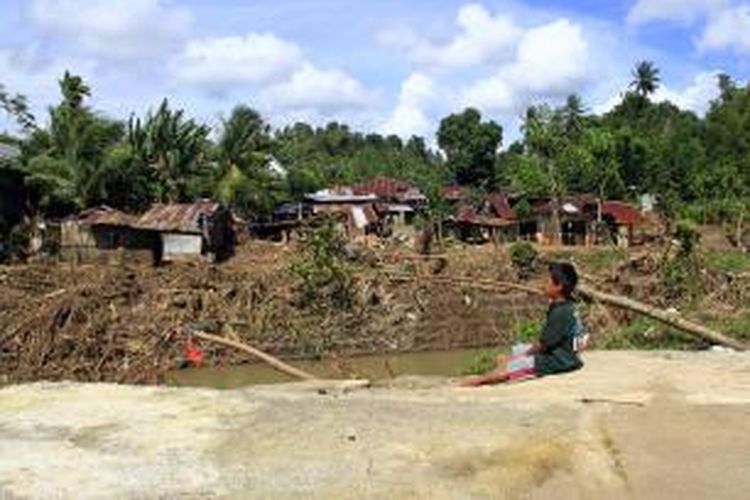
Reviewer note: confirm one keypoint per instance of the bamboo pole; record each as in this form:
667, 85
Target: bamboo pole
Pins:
266, 358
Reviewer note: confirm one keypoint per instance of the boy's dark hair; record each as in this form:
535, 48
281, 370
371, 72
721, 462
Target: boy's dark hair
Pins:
564, 275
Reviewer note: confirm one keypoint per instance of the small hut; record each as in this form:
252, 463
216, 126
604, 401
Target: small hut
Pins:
188, 231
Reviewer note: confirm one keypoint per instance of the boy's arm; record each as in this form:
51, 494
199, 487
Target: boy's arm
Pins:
536, 348
555, 330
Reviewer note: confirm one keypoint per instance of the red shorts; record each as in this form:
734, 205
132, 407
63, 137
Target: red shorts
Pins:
521, 366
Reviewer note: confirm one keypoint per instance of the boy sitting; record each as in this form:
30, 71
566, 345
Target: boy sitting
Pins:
561, 340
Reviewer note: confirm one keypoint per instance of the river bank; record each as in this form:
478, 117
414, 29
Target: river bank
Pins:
121, 323
630, 425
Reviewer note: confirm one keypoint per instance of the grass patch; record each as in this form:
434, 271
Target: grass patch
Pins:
649, 335
728, 261
593, 261
482, 363
737, 326
527, 332
602, 260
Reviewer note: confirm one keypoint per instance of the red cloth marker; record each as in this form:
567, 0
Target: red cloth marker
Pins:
193, 353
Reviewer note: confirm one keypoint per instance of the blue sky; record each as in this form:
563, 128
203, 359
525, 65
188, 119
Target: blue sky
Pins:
384, 65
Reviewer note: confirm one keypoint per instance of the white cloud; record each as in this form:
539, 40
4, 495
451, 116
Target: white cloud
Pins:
728, 29
551, 60
411, 117
482, 38
493, 93
321, 89
277, 71
685, 11
26, 72
115, 29
695, 97
222, 63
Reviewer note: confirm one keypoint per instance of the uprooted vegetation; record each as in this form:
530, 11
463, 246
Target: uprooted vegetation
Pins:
325, 298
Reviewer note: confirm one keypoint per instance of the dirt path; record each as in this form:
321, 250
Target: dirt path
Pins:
631, 425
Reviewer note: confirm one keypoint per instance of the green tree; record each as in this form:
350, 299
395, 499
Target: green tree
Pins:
17, 107
646, 78
544, 138
244, 179
174, 146
62, 162
471, 147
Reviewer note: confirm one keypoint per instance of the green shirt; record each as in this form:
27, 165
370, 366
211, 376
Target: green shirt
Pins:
557, 354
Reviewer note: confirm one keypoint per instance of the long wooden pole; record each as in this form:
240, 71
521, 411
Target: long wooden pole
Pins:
618, 301
266, 358
671, 319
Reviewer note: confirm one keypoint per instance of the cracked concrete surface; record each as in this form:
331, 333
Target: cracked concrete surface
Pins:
630, 425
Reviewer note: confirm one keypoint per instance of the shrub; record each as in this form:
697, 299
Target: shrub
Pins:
324, 276
528, 331
524, 258
482, 363
688, 235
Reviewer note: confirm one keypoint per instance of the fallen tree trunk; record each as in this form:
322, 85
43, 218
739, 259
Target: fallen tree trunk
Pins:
266, 358
618, 301
665, 317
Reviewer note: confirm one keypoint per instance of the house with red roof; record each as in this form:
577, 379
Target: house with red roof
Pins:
503, 217
398, 201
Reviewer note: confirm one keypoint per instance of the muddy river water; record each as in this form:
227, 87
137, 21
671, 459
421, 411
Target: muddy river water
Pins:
378, 367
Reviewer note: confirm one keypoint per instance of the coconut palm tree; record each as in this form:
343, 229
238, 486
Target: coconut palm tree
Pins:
175, 147
244, 179
645, 78
572, 115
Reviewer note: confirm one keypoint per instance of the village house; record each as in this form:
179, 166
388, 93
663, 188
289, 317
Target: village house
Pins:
622, 219
191, 231
356, 211
99, 234
493, 220
165, 233
503, 218
399, 201
285, 221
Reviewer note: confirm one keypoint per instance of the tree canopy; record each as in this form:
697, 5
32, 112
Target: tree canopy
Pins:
78, 158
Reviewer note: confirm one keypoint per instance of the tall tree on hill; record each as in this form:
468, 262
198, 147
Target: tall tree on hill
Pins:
545, 140
572, 116
471, 147
646, 78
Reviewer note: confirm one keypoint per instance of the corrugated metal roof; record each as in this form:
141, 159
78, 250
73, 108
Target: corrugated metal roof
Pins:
340, 197
545, 206
501, 206
389, 189
623, 213
454, 193
182, 218
468, 215
105, 216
